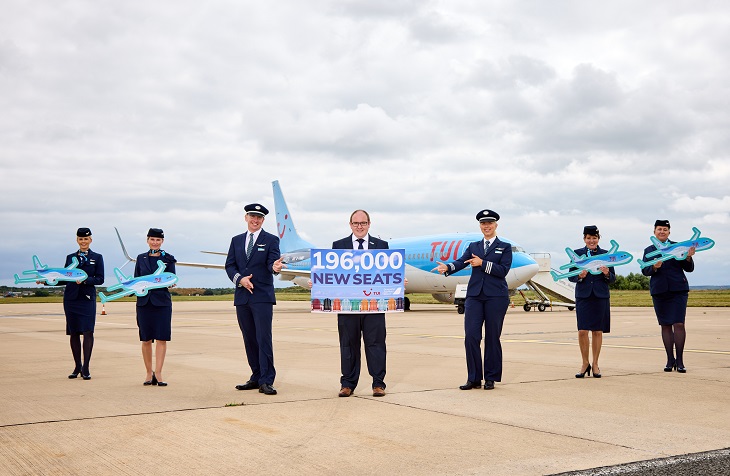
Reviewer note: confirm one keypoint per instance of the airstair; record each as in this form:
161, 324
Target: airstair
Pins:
550, 292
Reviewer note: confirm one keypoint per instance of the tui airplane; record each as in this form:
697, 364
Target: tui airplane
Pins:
593, 264
52, 275
421, 253
676, 250
140, 285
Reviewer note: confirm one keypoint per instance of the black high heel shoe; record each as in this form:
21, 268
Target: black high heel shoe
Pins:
670, 366
159, 383
75, 373
583, 374
680, 369
85, 376
596, 374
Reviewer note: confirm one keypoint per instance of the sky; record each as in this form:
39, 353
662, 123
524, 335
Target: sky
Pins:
176, 114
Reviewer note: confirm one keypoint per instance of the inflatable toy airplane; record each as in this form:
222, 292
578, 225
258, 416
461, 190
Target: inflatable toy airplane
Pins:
676, 250
593, 264
141, 285
52, 275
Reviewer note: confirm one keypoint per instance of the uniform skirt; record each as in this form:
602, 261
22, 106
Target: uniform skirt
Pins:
154, 322
594, 314
670, 307
80, 315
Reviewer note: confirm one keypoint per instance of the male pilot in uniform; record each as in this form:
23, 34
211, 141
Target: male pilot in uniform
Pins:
351, 326
253, 259
487, 300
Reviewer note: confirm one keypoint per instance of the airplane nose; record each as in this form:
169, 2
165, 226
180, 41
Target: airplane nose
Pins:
525, 273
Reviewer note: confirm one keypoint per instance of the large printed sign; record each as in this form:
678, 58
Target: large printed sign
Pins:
357, 281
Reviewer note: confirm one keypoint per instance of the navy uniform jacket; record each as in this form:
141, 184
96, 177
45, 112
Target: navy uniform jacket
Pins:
490, 277
373, 244
94, 267
596, 284
260, 265
670, 277
147, 264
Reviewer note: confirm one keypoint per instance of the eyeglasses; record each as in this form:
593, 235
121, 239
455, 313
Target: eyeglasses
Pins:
359, 223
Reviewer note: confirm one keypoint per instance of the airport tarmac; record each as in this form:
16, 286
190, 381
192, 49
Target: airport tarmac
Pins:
539, 420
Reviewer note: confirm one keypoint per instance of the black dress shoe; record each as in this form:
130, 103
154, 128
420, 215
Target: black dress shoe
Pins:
267, 389
85, 374
489, 385
681, 369
250, 385
469, 385
75, 373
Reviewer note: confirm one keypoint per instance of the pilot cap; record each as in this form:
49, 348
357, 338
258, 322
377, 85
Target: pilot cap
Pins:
661, 223
155, 233
590, 230
256, 209
487, 215
83, 232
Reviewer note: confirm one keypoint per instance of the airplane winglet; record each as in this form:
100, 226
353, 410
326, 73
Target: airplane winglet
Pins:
124, 250
74, 263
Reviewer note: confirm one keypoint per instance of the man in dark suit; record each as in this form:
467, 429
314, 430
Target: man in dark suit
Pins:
370, 326
487, 300
253, 259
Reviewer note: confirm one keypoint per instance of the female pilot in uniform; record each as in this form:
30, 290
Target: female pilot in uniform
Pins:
154, 311
592, 302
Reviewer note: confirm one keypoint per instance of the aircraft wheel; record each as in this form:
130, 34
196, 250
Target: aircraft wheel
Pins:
541, 307
527, 307
460, 309
571, 308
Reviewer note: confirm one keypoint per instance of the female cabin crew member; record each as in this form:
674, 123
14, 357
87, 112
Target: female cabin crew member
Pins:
592, 302
79, 302
487, 300
669, 291
154, 311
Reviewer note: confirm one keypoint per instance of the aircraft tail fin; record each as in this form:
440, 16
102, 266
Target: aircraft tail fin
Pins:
37, 263
120, 276
614, 247
160, 267
290, 239
658, 244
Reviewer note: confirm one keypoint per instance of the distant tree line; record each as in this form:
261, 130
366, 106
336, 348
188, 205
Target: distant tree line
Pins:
631, 282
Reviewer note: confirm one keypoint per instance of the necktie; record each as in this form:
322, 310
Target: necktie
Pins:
486, 246
249, 249
360, 241
589, 253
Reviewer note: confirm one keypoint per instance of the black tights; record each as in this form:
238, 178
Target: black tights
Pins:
76, 350
674, 336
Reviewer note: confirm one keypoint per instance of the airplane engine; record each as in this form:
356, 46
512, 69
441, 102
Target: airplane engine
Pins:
447, 298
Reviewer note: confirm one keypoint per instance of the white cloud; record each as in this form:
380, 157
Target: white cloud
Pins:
175, 114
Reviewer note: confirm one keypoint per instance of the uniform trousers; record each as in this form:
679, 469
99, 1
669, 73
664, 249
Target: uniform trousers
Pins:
484, 312
372, 329
255, 322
